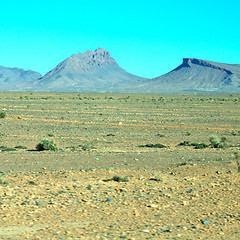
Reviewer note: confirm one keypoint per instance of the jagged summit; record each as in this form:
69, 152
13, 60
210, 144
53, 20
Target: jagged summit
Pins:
92, 71
84, 62
90, 59
99, 56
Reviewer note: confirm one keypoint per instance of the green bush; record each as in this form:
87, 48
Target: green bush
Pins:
47, 144
119, 178
217, 142
2, 114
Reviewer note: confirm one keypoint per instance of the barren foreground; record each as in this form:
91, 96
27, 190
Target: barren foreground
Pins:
174, 192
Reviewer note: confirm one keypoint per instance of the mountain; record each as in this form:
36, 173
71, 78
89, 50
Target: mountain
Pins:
92, 71
15, 79
199, 75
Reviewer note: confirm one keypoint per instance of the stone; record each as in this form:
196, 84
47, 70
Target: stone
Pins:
205, 222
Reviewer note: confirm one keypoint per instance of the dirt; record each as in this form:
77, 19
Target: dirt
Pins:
171, 191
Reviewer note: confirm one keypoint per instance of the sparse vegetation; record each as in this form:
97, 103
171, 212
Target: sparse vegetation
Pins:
235, 133
89, 187
151, 181
188, 133
2, 114
4, 148
217, 142
32, 183
182, 164
85, 147
199, 145
195, 145
20, 147
50, 134
160, 135
118, 178
47, 144
150, 145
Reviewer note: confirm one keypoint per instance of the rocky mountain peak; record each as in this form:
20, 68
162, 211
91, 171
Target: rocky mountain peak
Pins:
90, 60
99, 57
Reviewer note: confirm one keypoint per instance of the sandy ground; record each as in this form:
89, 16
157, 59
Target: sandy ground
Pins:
71, 194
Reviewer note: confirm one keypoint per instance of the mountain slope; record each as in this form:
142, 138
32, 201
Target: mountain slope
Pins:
88, 72
199, 75
15, 79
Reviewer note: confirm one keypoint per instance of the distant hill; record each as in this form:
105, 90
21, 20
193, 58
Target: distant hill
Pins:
92, 71
199, 75
15, 79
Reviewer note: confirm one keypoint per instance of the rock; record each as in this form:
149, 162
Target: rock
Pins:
110, 169
39, 204
153, 205
185, 203
9, 193
190, 191
205, 222
109, 199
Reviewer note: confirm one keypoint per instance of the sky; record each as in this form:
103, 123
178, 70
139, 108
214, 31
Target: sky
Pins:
146, 38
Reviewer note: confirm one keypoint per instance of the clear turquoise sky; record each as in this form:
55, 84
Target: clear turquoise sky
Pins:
146, 38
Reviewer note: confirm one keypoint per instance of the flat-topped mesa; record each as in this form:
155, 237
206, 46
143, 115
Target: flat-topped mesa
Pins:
189, 62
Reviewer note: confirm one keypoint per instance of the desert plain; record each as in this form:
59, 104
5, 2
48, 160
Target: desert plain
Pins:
170, 189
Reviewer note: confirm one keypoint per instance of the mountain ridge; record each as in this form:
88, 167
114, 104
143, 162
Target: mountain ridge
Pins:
13, 78
97, 71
